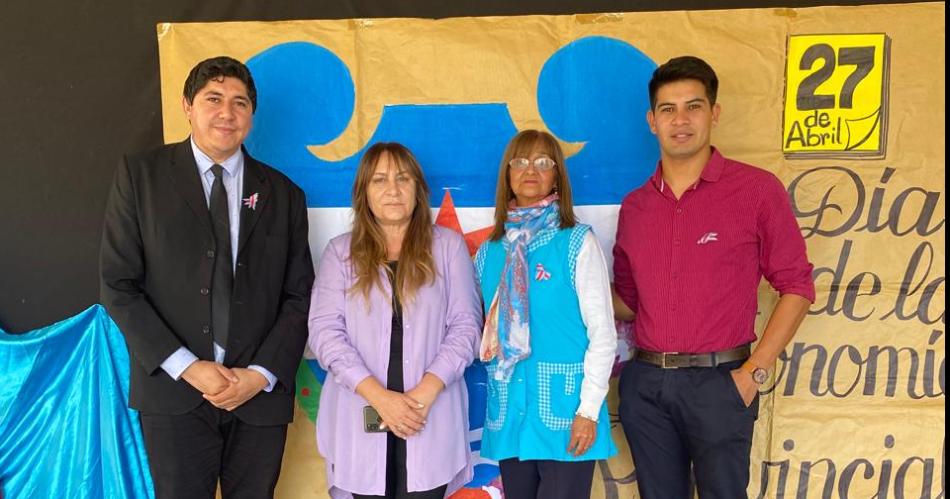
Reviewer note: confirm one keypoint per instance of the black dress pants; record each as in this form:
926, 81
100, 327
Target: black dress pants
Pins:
677, 418
189, 453
546, 479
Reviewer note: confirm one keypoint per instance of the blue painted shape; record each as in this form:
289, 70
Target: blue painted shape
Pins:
594, 90
484, 474
305, 97
318, 372
476, 380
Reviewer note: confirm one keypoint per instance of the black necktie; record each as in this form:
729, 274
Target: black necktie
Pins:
223, 272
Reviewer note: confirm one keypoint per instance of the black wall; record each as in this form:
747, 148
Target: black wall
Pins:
79, 86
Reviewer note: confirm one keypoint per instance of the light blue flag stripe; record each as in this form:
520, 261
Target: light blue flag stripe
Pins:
65, 426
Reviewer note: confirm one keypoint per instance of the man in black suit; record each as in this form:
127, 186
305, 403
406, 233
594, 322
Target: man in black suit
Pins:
205, 266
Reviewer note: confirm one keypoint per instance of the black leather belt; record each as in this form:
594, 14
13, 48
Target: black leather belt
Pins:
676, 360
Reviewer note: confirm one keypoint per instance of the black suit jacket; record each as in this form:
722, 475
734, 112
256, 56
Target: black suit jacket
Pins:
157, 256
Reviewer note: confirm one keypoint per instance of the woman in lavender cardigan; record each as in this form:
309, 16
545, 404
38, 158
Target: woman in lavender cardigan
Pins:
395, 319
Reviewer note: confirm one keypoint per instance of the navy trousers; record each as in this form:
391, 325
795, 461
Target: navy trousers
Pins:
546, 479
676, 420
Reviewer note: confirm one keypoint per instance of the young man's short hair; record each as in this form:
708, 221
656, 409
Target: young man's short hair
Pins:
219, 68
685, 67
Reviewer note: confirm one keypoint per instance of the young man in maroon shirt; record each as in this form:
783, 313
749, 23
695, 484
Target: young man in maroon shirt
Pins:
692, 245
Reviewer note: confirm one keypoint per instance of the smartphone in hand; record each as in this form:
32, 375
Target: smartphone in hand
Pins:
372, 422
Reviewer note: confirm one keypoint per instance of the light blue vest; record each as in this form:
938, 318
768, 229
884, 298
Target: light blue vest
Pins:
530, 416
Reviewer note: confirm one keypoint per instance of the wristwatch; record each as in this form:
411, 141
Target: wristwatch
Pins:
584, 415
759, 375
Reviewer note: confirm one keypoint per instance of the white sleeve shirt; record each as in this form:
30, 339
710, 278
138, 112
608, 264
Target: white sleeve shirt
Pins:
592, 282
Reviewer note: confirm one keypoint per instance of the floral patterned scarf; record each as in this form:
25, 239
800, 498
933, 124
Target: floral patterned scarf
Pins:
506, 334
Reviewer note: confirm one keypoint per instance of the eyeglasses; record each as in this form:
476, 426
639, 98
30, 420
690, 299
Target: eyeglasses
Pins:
541, 164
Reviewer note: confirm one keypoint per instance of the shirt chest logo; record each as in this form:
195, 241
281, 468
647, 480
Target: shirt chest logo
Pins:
540, 274
708, 238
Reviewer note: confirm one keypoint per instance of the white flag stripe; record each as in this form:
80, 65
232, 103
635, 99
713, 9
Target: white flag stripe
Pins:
327, 223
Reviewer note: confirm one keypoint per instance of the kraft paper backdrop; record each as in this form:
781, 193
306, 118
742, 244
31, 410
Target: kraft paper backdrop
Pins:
857, 408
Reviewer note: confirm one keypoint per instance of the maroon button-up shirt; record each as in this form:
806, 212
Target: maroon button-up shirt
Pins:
690, 268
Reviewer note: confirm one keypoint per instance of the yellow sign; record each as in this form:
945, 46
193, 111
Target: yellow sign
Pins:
836, 96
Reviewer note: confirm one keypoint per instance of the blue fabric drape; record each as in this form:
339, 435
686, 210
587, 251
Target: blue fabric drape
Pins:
65, 426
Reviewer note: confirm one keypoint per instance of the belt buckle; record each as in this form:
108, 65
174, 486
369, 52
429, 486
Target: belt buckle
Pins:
663, 360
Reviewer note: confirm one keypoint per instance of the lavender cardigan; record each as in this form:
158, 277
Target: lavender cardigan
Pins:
351, 338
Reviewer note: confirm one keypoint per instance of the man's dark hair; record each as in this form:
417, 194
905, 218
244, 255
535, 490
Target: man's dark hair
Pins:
685, 67
219, 68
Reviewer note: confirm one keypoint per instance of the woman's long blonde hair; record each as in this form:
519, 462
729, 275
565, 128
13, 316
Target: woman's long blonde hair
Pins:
368, 245
522, 146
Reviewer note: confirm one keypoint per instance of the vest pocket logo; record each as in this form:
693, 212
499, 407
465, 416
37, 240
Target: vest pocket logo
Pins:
540, 274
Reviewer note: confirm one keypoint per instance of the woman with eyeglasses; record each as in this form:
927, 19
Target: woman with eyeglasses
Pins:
549, 339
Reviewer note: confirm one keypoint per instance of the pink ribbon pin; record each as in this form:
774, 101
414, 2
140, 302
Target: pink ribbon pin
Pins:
540, 274
251, 201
